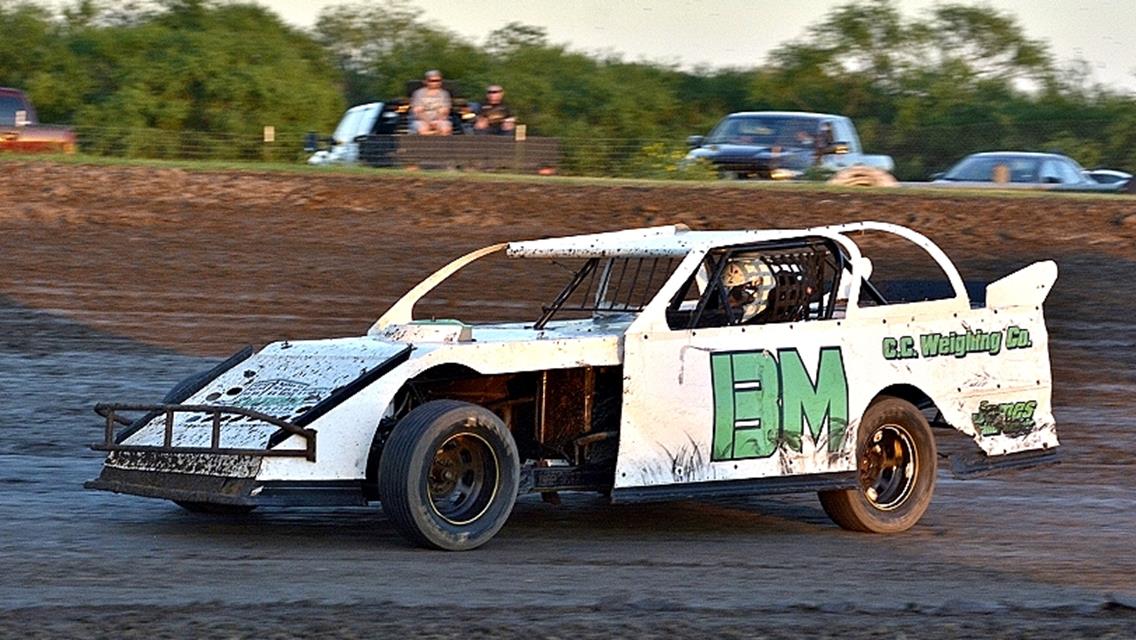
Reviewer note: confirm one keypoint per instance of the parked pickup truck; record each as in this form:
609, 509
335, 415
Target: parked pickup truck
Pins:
21, 131
782, 145
378, 134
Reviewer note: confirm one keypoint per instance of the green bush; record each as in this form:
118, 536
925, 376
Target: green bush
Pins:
667, 161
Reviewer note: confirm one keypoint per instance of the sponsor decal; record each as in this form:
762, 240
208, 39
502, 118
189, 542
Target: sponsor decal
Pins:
958, 345
278, 394
1009, 418
764, 402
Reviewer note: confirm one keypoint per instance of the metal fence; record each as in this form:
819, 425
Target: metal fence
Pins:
918, 151
164, 144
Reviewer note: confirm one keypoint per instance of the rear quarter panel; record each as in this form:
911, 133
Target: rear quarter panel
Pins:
987, 370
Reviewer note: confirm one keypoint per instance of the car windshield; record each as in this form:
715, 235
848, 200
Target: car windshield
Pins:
996, 169
349, 126
9, 105
765, 131
1104, 176
610, 285
537, 290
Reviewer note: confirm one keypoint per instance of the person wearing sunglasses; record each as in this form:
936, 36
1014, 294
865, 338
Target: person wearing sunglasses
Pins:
431, 105
494, 116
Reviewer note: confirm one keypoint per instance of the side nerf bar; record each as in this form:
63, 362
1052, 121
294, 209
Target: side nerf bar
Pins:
110, 411
965, 466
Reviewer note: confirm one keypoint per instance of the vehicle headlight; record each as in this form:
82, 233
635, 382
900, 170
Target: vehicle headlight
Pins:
782, 173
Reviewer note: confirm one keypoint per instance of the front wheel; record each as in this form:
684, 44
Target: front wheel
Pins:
449, 475
896, 463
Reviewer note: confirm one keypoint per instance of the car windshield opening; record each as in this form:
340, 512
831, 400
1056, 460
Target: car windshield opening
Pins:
610, 285
9, 105
765, 131
349, 125
498, 289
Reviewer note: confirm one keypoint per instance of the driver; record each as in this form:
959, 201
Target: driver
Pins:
748, 282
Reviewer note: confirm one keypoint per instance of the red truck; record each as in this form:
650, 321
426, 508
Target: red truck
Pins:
20, 131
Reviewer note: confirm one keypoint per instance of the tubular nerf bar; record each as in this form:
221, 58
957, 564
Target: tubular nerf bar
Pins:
110, 411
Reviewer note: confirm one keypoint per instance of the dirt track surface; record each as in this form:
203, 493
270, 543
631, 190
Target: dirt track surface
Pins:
117, 282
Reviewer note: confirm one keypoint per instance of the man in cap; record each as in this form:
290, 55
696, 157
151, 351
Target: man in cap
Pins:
493, 116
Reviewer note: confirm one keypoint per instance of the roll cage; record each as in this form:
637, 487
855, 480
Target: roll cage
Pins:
805, 274
622, 270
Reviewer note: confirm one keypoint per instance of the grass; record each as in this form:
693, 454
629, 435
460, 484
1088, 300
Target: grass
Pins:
591, 181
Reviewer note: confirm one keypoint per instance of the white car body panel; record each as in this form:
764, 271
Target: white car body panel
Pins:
665, 439
490, 349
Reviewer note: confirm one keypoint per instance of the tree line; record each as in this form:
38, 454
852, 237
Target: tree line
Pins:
925, 89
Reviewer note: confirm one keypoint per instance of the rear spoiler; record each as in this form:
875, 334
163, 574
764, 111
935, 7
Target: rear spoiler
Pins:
1023, 288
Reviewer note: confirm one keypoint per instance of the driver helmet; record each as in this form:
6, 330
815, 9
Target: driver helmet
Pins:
748, 282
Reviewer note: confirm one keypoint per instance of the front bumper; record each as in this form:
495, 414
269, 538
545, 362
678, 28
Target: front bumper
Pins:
237, 490
759, 169
212, 474
172, 485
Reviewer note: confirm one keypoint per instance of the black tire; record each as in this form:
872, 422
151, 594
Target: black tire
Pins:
448, 475
215, 509
897, 462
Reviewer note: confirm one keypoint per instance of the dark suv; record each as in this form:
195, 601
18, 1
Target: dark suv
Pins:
782, 145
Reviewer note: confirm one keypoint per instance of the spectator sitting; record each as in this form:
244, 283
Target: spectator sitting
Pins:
824, 143
494, 116
430, 105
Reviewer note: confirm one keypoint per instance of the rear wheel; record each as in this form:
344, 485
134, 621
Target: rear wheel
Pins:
896, 464
448, 475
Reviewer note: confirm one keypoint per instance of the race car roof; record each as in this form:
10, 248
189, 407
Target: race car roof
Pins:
669, 240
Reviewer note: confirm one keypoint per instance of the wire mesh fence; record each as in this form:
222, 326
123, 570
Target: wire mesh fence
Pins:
918, 151
165, 144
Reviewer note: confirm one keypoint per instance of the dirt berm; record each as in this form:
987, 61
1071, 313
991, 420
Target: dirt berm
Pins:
242, 255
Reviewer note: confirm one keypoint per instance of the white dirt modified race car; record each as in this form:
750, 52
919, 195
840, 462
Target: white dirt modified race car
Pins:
673, 364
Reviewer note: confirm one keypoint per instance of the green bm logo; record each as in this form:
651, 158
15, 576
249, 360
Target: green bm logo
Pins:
762, 402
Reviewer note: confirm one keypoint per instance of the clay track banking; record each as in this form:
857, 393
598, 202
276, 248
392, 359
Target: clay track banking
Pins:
118, 281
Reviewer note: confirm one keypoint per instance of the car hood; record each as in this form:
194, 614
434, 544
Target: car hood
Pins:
285, 379
293, 381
